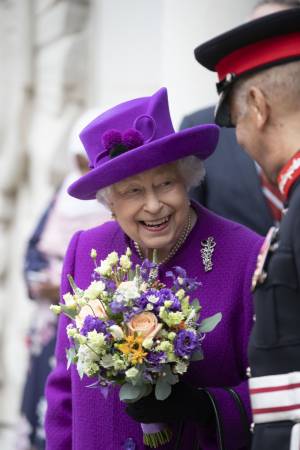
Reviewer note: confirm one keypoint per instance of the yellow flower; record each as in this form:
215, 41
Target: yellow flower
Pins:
132, 348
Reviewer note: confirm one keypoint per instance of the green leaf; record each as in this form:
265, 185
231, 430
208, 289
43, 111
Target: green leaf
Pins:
197, 355
128, 392
71, 313
71, 353
170, 377
210, 323
162, 389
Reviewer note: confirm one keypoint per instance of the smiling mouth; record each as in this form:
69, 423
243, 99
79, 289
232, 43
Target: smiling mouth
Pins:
156, 224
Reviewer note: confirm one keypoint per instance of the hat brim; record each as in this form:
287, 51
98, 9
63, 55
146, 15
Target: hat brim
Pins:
199, 141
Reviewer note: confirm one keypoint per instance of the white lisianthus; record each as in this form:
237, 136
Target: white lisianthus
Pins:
94, 289
125, 262
107, 361
104, 269
128, 252
131, 373
112, 259
147, 343
128, 290
86, 361
180, 367
165, 346
119, 363
117, 332
96, 341
93, 253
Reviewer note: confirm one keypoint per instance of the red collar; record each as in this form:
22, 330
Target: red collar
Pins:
289, 174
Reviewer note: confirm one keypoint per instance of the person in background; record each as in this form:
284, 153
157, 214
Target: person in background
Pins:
258, 66
43, 263
235, 186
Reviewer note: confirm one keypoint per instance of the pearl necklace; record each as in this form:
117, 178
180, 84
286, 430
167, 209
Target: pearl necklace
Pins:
176, 247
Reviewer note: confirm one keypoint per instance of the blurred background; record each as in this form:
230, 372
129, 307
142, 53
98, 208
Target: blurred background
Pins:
58, 59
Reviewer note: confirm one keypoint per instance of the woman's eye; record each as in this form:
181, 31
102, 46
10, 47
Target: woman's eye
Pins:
133, 191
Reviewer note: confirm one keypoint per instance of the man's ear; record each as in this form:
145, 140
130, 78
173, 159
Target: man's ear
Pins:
258, 106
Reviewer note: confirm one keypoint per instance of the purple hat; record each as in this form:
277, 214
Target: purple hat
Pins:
136, 136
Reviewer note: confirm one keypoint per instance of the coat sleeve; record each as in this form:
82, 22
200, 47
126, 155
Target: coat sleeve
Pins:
58, 424
236, 421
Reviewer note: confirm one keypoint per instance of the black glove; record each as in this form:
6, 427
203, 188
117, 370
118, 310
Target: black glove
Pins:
185, 402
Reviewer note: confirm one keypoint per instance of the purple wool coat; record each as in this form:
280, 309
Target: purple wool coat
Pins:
79, 418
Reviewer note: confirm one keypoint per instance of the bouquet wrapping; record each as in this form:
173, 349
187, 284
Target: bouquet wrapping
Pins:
129, 329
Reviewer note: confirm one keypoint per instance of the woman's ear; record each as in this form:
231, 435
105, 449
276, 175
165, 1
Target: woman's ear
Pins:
258, 106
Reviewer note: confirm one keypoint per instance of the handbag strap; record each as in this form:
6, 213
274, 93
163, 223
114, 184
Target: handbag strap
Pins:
219, 427
243, 414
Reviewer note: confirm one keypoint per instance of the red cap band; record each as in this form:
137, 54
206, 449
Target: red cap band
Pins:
258, 54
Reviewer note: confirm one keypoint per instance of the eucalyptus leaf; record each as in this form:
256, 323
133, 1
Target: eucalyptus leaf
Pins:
197, 355
128, 392
169, 377
162, 389
210, 323
71, 353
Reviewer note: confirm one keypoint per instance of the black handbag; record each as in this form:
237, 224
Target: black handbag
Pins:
219, 426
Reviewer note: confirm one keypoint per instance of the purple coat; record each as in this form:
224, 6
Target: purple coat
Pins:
79, 418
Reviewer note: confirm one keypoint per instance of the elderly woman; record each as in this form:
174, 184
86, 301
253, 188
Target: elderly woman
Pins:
143, 170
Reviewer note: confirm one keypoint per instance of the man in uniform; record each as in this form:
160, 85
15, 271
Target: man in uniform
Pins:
258, 65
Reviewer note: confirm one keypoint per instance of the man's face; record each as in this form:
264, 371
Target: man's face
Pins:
245, 130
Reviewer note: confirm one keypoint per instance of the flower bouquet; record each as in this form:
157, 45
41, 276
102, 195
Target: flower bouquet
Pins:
130, 329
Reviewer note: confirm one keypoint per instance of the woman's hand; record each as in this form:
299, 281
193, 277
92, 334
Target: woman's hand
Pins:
185, 402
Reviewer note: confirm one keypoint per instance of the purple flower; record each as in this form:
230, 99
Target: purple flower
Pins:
132, 138
181, 281
185, 343
146, 269
111, 139
156, 358
93, 323
152, 297
167, 295
118, 307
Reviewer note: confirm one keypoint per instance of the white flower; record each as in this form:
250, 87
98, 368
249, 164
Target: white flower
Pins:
86, 363
112, 259
125, 262
149, 307
128, 290
96, 341
117, 332
69, 300
128, 252
131, 373
93, 253
104, 269
180, 367
147, 343
55, 308
152, 298
94, 289
107, 361
119, 363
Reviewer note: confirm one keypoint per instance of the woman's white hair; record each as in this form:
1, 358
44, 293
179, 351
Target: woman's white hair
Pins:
190, 168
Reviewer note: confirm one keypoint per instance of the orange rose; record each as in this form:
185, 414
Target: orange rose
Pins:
93, 308
145, 324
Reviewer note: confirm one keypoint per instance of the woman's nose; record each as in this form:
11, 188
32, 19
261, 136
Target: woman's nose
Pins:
152, 203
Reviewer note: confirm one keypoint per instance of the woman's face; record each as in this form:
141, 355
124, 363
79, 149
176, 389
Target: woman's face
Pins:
152, 207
